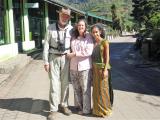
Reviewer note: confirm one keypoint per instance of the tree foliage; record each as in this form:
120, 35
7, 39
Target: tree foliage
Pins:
154, 21
146, 12
115, 18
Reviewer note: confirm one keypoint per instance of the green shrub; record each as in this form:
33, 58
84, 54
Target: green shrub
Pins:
154, 21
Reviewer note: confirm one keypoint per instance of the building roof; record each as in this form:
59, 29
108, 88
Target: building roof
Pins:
99, 17
59, 3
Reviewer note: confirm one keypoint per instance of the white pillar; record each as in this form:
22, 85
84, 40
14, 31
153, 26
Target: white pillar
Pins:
11, 22
25, 21
46, 15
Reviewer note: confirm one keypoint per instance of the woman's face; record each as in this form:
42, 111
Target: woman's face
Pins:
81, 27
96, 33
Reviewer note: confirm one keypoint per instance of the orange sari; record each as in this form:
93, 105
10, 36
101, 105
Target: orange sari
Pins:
101, 90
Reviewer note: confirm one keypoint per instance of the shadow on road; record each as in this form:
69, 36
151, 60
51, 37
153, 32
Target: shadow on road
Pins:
28, 105
126, 76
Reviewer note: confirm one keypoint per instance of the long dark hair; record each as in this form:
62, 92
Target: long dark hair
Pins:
100, 27
75, 31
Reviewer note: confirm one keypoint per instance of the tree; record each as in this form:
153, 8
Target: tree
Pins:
154, 21
115, 19
144, 10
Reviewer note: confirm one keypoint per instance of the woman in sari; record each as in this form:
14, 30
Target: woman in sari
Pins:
102, 89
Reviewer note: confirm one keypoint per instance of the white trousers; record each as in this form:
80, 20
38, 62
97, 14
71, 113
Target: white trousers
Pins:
59, 84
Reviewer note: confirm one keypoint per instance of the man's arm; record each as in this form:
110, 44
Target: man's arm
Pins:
46, 50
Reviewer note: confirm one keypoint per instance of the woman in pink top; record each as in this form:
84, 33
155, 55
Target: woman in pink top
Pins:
80, 66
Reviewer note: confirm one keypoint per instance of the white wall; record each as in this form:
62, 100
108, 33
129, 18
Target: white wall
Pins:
8, 51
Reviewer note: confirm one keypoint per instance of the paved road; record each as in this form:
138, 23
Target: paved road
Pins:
136, 89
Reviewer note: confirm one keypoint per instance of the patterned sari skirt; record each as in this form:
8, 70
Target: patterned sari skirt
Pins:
101, 93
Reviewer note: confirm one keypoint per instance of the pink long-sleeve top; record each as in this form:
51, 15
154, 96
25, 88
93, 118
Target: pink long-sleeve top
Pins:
83, 48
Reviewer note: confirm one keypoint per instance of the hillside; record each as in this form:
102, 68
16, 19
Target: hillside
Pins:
103, 7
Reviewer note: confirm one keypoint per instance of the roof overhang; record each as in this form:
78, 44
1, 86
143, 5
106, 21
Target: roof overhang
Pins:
62, 4
98, 17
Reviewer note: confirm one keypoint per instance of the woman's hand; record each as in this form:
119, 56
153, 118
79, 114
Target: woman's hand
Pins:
70, 55
105, 73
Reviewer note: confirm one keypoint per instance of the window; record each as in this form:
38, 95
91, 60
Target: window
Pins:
36, 24
17, 20
1, 23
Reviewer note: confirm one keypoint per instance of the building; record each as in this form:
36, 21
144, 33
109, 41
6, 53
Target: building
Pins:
23, 24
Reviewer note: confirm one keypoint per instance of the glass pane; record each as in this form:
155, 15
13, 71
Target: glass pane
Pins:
1, 24
17, 20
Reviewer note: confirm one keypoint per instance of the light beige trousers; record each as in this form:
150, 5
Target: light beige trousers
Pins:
81, 81
59, 81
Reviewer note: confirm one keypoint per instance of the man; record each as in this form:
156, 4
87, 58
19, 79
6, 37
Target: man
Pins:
56, 46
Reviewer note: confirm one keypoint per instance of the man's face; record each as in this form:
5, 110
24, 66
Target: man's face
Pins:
63, 18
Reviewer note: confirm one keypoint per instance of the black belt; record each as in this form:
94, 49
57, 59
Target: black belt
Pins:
59, 54
57, 48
